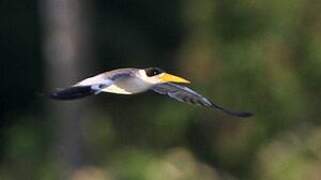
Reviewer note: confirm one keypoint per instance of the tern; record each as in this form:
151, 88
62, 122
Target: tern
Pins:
129, 81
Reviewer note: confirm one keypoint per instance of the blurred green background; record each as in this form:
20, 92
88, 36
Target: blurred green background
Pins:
263, 56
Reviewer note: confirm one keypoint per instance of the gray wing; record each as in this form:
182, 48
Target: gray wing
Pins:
187, 95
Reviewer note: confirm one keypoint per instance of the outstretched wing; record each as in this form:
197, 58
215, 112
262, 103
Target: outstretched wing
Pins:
78, 91
86, 87
91, 86
187, 95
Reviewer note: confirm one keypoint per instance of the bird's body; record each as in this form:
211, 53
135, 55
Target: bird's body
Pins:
127, 85
123, 81
130, 81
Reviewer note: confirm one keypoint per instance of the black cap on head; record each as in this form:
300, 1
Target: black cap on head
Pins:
153, 71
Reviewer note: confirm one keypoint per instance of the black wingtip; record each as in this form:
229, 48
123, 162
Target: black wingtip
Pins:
243, 114
72, 93
232, 113
237, 114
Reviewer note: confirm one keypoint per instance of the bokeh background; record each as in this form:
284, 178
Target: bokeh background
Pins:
258, 55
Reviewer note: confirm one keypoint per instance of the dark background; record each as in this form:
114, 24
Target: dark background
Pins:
263, 56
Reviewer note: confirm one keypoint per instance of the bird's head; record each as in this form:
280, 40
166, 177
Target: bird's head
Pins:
155, 75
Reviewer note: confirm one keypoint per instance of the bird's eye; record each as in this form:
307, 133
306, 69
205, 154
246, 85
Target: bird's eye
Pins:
153, 71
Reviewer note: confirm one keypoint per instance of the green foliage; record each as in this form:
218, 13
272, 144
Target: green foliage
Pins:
263, 56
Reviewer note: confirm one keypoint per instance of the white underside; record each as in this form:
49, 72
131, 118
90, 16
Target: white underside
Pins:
117, 90
128, 86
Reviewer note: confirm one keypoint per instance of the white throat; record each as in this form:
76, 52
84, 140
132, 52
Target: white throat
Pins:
150, 80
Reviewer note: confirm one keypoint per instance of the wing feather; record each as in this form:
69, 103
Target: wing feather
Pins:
86, 87
187, 95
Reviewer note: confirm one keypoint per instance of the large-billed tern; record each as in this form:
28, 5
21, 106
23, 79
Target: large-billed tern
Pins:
130, 81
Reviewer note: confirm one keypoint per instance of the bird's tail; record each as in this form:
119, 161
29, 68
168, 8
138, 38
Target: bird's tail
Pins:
71, 93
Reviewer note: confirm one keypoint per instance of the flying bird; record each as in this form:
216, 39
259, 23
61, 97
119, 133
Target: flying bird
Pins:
129, 81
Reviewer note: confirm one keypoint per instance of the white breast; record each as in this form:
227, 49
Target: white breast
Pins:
128, 86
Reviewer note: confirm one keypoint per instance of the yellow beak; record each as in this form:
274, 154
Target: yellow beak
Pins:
164, 77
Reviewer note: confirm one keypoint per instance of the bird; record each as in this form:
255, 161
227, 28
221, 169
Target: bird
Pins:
130, 81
